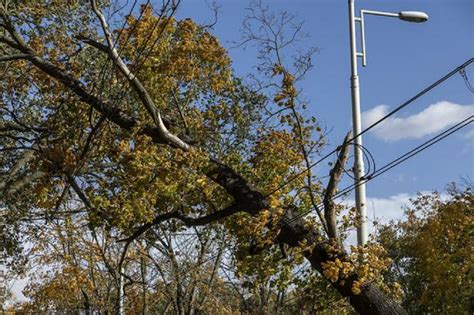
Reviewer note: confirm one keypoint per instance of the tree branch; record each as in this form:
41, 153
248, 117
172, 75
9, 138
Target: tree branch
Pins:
93, 43
231, 181
18, 43
331, 189
13, 57
188, 221
9, 42
138, 86
371, 299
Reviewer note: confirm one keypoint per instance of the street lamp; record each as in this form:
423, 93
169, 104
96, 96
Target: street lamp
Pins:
359, 180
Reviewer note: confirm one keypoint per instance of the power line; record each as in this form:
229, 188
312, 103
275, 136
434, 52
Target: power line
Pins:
411, 153
370, 161
464, 76
423, 92
400, 107
399, 160
424, 146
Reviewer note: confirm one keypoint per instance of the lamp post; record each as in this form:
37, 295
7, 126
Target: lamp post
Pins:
359, 180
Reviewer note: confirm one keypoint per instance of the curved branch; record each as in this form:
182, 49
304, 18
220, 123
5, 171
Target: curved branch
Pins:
188, 221
331, 189
138, 86
93, 43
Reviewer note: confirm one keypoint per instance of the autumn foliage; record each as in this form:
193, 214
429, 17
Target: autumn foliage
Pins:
139, 174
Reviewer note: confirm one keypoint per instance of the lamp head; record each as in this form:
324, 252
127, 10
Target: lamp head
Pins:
413, 16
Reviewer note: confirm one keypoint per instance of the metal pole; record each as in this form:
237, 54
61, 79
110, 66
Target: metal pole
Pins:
356, 126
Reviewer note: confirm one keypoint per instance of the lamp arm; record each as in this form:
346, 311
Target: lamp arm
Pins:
360, 19
379, 13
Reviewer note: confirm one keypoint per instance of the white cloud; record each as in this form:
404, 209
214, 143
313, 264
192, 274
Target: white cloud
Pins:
384, 210
431, 120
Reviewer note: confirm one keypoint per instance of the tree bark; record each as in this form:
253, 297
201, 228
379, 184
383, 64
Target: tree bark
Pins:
371, 300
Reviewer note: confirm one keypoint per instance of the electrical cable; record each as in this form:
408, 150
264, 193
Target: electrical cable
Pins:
409, 154
399, 160
423, 92
403, 105
424, 146
464, 76
370, 162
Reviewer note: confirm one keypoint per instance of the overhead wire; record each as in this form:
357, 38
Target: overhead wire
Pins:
464, 76
424, 146
376, 123
465, 122
410, 153
370, 161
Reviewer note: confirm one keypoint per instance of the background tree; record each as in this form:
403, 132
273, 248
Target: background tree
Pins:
432, 252
74, 268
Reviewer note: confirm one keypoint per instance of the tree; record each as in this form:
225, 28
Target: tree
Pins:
153, 129
75, 268
432, 253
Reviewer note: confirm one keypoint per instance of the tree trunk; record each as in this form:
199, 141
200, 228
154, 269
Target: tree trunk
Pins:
371, 299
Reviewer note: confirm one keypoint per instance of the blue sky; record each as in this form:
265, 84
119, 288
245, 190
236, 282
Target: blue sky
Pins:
403, 58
